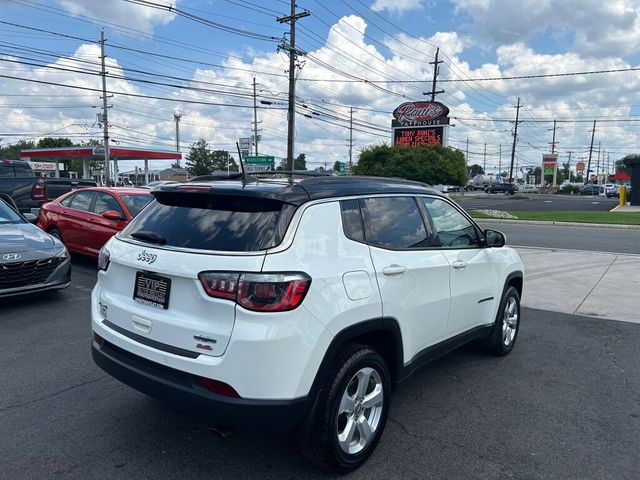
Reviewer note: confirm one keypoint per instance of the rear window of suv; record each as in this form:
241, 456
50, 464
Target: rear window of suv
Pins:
214, 222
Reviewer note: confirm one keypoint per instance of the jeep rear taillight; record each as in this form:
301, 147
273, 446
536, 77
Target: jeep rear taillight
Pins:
38, 192
259, 292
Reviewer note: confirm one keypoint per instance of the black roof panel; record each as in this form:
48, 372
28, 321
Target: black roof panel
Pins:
300, 191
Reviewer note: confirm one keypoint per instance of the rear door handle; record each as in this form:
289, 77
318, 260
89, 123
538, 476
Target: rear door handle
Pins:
394, 270
459, 265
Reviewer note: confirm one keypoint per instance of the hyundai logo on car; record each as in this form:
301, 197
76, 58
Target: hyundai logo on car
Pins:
11, 256
147, 257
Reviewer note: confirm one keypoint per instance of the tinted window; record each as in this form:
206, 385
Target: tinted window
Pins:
454, 230
105, 202
23, 169
8, 215
82, 201
6, 169
135, 203
394, 222
67, 201
351, 220
211, 222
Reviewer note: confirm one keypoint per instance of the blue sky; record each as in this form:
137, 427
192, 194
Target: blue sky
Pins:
161, 62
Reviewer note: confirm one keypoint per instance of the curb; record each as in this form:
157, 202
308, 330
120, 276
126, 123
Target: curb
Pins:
560, 224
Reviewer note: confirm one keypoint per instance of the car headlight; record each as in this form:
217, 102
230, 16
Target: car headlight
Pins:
63, 253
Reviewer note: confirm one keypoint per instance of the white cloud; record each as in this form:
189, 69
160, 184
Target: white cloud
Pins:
397, 6
130, 15
598, 28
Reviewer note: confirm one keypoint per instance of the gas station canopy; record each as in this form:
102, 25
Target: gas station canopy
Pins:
97, 153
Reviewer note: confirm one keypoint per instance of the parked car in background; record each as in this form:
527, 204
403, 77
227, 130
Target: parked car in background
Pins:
85, 219
29, 192
157, 183
590, 189
30, 259
506, 188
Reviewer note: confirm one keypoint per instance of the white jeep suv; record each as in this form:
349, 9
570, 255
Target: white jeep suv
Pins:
299, 306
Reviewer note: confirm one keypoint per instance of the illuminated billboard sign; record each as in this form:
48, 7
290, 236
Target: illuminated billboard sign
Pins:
414, 137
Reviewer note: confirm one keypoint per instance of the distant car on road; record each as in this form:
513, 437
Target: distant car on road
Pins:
506, 188
85, 219
30, 259
611, 190
590, 189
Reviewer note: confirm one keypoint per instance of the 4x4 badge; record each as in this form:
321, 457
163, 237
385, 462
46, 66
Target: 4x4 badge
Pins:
143, 256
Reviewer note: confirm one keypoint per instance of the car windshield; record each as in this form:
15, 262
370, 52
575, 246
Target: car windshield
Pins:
8, 215
135, 203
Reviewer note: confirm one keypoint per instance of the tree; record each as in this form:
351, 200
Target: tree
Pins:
624, 164
300, 162
476, 169
429, 164
12, 152
221, 158
336, 166
199, 161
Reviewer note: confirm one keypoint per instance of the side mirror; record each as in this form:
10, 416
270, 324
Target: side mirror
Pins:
112, 215
31, 218
493, 238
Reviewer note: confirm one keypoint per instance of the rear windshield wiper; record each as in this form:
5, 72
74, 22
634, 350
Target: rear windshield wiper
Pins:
149, 236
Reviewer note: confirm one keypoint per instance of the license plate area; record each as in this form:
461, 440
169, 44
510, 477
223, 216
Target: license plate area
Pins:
152, 290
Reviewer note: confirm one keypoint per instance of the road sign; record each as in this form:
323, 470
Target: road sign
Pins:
259, 159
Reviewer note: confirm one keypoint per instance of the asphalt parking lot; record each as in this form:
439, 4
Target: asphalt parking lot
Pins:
564, 404
535, 202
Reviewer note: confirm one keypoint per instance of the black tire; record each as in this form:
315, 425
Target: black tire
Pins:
504, 335
323, 447
53, 231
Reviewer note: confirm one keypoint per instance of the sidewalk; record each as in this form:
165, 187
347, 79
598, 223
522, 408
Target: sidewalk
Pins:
594, 284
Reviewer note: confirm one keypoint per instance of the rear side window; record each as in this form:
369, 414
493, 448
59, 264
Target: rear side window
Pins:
211, 222
352, 220
6, 169
23, 170
394, 222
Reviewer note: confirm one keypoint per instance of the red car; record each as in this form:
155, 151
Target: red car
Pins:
85, 219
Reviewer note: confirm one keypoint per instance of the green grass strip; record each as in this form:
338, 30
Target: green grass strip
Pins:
613, 218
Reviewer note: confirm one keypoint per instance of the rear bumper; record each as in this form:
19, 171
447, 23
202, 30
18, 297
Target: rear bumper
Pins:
183, 390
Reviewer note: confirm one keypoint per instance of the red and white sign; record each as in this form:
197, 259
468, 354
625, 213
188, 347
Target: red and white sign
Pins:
412, 112
43, 166
579, 167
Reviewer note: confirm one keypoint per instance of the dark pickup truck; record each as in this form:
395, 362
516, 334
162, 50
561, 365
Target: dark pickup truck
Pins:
18, 181
506, 188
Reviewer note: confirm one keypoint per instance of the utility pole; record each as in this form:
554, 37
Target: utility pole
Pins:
569, 164
484, 161
515, 138
255, 115
466, 158
598, 164
350, 140
500, 160
436, 71
593, 132
293, 54
553, 142
105, 119
176, 118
